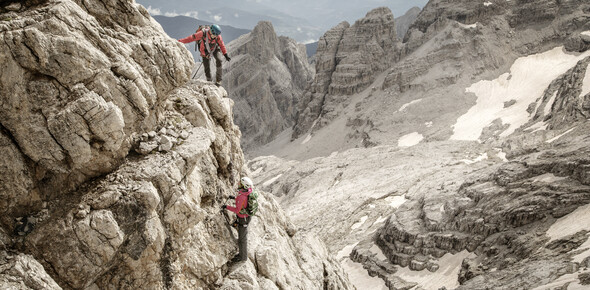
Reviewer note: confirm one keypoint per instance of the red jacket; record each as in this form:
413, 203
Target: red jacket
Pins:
218, 41
241, 203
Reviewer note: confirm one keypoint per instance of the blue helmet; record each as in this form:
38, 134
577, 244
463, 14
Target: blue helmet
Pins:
215, 29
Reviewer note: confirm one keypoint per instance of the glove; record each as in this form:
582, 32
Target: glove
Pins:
231, 197
227, 57
223, 206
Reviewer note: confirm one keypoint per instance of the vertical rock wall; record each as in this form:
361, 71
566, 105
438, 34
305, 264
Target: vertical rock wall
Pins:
348, 59
116, 166
265, 78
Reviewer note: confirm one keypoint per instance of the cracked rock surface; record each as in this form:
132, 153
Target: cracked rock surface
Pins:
117, 165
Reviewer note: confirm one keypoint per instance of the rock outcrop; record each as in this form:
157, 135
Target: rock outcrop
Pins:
450, 46
116, 165
348, 59
403, 23
77, 81
508, 207
265, 78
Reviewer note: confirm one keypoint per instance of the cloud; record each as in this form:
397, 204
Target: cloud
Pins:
171, 14
154, 11
158, 11
193, 14
217, 18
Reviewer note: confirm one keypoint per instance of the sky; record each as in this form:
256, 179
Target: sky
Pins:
302, 20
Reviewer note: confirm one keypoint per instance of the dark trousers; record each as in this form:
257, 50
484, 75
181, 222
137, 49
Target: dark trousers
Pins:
243, 237
218, 69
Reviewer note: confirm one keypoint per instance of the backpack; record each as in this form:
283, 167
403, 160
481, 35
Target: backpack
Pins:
252, 206
201, 27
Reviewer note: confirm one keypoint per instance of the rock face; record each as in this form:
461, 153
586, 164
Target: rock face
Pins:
266, 77
403, 23
74, 90
451, 46
348, 59
420, 208
115, 166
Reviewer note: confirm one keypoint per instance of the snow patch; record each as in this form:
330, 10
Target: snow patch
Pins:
478, 159
380, 220
501, 154
396, 201
586, 82
586, 33
547, 108
428, 124
474, 25
410, 139
548, 178
360, 278
403, 107
537, 126
487, 3
570, 224
528, 78
345, 252
572, 281
579, 258
272, 180
306, 139
378, 253
559, 136
360, 223
446, 276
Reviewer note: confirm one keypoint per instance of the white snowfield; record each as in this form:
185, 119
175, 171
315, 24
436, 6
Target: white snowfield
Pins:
525, 83
410, 139
446, 276
570, 224
404, 106
586, 83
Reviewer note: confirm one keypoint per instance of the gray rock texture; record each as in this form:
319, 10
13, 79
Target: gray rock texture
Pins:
403, 23
265, 78
116, 165
450, 46
77, 80
348, 59
508, 209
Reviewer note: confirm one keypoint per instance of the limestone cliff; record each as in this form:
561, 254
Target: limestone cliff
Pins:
265, 78
450, 46
348, 59
439, 192
115, 166
403, 23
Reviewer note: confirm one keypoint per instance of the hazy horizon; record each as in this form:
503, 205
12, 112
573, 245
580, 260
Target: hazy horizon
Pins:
305, 21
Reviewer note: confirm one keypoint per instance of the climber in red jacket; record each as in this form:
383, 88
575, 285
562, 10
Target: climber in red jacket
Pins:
244, 190
210, 44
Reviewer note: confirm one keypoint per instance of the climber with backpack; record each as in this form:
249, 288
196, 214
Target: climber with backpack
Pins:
210, 43
246, 207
